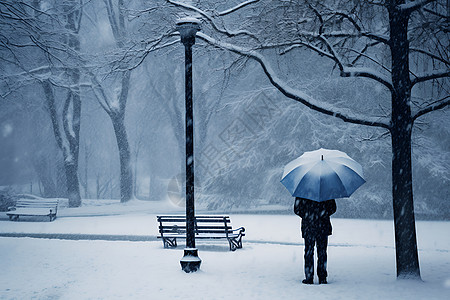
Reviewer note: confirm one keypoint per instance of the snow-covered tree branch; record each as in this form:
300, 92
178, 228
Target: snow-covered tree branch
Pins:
210, 19
288, 91
439, 104
430, 76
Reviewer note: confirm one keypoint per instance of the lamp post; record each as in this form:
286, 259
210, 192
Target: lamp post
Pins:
188, 27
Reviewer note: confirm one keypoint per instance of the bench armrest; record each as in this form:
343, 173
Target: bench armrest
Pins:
240, 229
10, 208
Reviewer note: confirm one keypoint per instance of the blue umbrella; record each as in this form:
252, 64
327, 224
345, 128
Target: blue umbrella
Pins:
322, 174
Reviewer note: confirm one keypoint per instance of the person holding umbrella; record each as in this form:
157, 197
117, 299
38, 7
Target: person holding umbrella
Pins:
316, 227
316, 178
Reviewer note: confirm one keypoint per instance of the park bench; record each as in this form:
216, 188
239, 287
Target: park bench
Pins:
205, 227
34, 208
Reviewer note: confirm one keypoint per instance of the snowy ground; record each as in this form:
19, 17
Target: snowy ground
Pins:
361, 260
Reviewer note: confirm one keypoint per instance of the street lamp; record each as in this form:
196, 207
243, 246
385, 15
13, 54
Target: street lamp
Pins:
188, 27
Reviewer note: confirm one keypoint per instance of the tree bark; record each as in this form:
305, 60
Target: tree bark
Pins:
86, 179
71, 152
73, 186
126, 175
61, 182
401, 129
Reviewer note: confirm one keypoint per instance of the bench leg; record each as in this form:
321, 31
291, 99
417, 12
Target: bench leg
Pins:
235, 243
170, 242
232, 245
239, 245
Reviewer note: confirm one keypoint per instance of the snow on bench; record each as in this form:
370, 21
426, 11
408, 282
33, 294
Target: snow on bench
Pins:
34, 207
206, 227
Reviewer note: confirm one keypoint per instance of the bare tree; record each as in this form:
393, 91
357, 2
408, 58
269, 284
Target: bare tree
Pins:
374, 40
103, 187
84, 180
137, 148
130, 49
115, 103
42, 46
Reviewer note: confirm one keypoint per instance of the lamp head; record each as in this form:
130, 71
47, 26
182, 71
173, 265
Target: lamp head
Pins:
188, 27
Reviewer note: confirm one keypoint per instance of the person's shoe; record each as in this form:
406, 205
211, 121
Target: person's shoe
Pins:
307, 281
323, 281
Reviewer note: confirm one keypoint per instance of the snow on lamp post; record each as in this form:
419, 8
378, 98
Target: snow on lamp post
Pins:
188, 27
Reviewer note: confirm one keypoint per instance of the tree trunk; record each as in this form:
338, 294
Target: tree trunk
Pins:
135, 186
86, 179
73, 186
402, 194
157, 188
41, 166
61, 182
126, 175
71, 154
401, 129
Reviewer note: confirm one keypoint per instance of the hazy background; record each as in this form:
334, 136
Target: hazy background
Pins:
245, 131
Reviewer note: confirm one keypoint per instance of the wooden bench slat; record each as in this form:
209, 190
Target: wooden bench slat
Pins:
36, 201
197, 216
197, 220
196, 228
201, 236
210, 231
37, 205
229, 228
195, 231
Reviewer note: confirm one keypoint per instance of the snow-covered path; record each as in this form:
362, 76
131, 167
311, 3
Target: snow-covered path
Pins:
59, 269
361, 261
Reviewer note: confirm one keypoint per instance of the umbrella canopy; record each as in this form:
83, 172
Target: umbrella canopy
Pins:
322, 174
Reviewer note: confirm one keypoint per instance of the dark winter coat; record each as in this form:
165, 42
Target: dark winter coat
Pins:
315, 216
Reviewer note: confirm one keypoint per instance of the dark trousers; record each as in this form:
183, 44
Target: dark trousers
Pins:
322, 243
